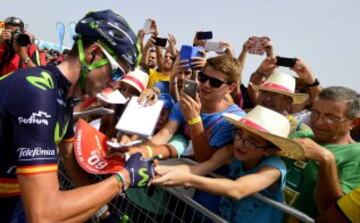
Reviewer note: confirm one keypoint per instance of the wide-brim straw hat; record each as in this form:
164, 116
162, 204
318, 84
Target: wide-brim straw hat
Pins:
283, 84
271, 126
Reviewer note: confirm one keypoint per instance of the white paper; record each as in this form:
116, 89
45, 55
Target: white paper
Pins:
139, 119
114, 97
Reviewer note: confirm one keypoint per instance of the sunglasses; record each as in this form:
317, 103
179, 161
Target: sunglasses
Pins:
117, 72
215, 83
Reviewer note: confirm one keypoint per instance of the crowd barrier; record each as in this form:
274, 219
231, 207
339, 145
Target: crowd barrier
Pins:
169, 205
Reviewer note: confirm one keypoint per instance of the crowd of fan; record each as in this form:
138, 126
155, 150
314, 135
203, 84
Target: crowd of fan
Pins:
283, 135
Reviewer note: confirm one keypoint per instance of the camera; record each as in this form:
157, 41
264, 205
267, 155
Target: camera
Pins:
21, 38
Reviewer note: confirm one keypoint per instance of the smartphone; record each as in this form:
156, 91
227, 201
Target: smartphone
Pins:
212, 46
147, 26
204, 35
196, 51
285, 61
257, 47
191, 88
160, 41
185, 53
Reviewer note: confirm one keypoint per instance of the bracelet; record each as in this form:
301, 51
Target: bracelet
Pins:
194, 121
121, 180
316, 83
150, 151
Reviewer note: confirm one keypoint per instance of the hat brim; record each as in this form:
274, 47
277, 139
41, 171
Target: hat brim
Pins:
288, 147
298, 98
132, 84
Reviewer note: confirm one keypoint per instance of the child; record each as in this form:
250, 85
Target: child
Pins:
260, 135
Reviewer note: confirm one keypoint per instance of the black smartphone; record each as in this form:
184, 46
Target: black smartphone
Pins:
204, 35
285, 61
191, 88
160, 41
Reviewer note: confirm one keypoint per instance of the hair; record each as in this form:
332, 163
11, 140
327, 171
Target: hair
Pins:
227, 65
337, 93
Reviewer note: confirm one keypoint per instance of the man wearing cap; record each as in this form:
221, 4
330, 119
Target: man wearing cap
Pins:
16, 48
36, 115
254, 167
333, 115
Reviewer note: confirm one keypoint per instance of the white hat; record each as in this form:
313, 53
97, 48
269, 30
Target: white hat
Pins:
283, 84
272, 126
137, 78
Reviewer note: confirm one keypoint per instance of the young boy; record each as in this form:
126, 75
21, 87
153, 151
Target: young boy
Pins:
256, 168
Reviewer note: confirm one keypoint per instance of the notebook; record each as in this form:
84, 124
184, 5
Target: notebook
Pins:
139, 119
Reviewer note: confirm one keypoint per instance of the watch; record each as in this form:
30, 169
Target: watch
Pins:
316, 83
27, 60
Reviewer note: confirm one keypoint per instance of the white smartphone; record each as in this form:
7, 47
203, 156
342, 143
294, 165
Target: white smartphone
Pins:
147, 26
213, 46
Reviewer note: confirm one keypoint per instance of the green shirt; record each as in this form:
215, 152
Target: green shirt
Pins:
301, 177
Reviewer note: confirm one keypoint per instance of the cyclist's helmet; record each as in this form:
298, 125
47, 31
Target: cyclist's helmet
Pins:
113, 30
14, 22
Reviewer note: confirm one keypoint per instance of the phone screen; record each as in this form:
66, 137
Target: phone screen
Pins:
190, 88
160, 42
285, 61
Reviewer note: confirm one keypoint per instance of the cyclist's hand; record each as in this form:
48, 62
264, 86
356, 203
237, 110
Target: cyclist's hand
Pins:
141, 171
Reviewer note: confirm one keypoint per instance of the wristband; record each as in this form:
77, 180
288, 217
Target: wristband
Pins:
121, 180
194, 121
150, 151
316, 83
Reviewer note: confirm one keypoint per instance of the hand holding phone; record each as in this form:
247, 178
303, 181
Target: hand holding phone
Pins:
285, 61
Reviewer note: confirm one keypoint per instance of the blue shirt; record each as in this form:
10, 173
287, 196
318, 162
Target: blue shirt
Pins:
250, 209
219, 133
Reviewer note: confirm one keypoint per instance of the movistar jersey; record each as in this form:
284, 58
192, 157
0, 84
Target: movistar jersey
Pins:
35, 115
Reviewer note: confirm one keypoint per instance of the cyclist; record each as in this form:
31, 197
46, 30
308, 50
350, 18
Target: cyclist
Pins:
36, 114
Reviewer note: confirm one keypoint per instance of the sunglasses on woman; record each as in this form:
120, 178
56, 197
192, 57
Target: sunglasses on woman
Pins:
215, 83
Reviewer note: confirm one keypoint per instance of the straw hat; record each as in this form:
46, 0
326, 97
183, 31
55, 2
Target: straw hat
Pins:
271, 126
137, 79
283, 84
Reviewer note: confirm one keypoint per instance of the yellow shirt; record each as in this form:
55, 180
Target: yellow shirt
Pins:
155, 76
350, 205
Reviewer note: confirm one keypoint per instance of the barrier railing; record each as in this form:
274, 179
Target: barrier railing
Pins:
170, 205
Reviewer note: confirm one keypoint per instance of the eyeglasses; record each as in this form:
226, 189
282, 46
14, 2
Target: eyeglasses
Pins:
327, 118
215, 83
117, 72
248, 143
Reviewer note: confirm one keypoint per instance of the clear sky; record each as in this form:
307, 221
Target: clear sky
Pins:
324, 33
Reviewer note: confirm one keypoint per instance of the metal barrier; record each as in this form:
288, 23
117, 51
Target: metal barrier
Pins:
155, 204
283, 207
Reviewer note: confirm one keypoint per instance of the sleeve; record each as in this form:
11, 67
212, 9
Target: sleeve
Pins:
180, 143
176, 115
349, 205
277, 163
222, 134
33, 113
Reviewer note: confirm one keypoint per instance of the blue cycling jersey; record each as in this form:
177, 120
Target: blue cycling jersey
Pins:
35, 115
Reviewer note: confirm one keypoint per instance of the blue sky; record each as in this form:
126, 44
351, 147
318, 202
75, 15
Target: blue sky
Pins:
325, 34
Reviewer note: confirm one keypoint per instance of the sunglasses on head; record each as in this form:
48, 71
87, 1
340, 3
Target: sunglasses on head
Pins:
215, 83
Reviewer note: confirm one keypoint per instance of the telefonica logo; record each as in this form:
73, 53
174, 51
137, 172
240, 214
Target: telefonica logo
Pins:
39, 118
35, 152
